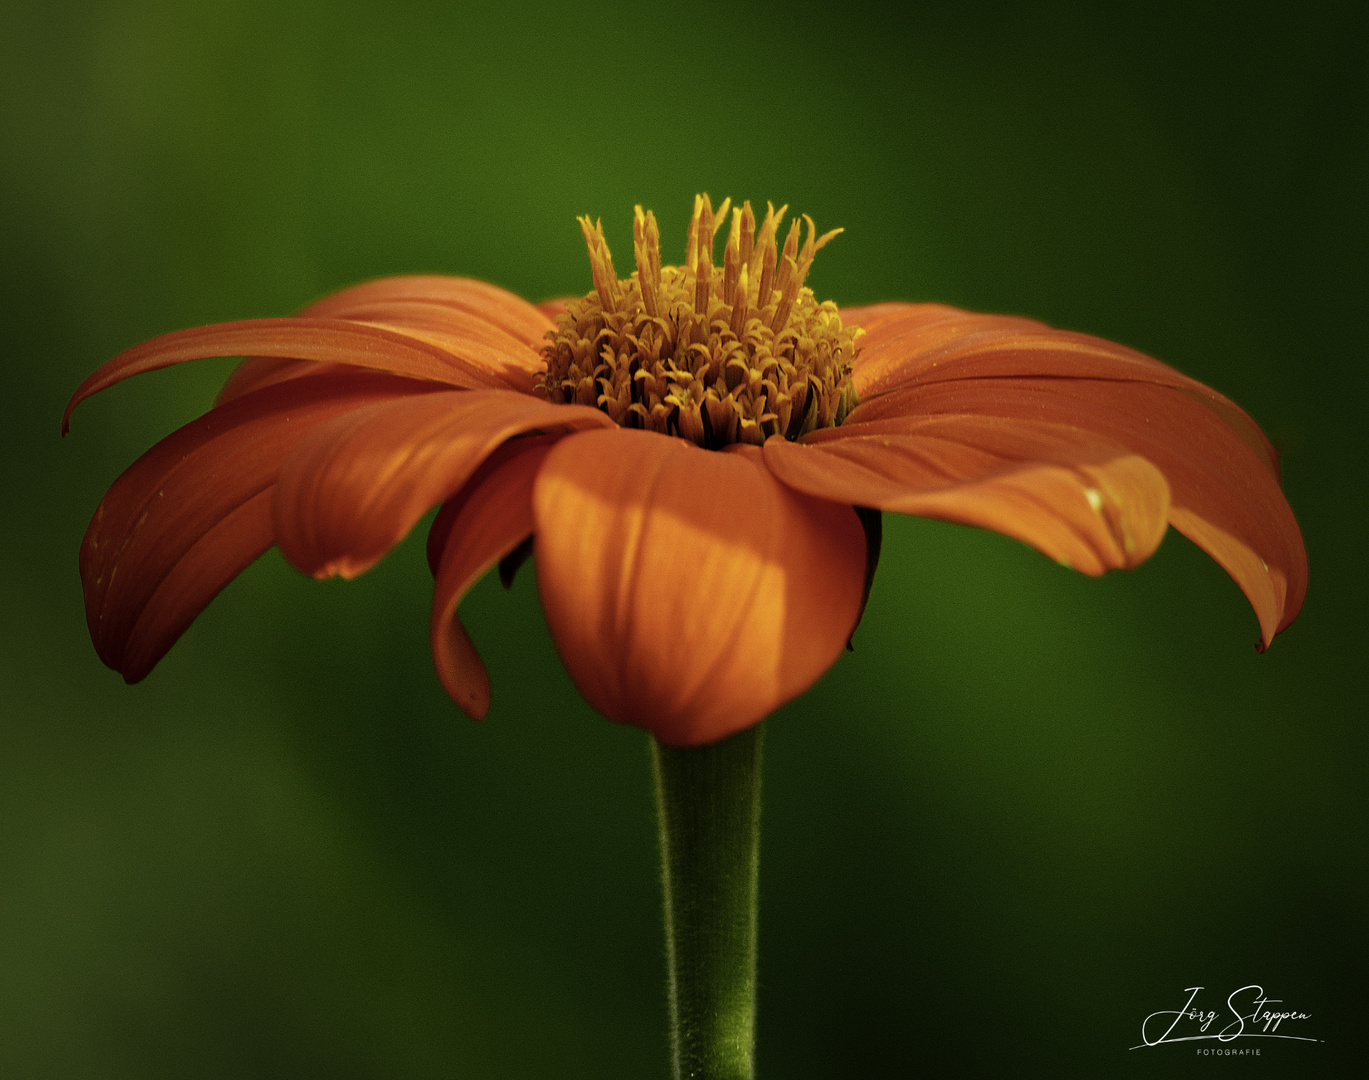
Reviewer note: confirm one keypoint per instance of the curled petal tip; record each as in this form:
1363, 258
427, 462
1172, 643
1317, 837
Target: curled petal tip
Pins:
489, 519
460, 669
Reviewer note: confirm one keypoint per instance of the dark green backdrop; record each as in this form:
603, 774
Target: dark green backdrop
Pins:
1030, 809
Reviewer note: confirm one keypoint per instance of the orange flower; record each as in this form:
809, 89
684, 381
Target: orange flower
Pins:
685, 448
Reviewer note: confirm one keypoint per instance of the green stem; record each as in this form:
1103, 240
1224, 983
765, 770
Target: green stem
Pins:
709, 798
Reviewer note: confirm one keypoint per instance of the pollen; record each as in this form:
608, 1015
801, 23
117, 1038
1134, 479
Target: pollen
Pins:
715, 354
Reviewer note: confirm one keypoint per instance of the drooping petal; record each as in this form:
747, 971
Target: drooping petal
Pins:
931, 343
333, 341
485, 521
689, 592
357, 485
1224, 491
225, 550
194, 511
1080, 498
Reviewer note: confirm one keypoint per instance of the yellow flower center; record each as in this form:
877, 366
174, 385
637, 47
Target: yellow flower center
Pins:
713, 354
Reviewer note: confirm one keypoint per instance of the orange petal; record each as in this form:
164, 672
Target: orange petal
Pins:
357, 485
554, 307
458, 331
689, 592
871, 316
193, 511
498, 307
1080, 498
224, 551
503, 362
490, 517
334, 341
1224, 491
462, 309
259, 372
901, 341
931, 343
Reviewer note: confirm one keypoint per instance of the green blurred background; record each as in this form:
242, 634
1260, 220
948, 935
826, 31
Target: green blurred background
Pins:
1030, 808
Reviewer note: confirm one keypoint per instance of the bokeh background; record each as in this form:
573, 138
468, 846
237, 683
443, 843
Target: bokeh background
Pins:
1029, 809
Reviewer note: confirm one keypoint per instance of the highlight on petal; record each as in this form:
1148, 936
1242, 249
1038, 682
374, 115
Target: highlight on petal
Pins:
1080, 498
331, 341
195, 510
689, 592
357, 485
1223, 480
480, 525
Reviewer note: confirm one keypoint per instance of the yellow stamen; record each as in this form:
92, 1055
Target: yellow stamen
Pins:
703, 271
739, 305
647, 276
732, 257
788, 257
763, 258
748, 238
715, 355
719, 217
601, 263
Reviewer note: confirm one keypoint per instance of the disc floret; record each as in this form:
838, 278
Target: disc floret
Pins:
714, 354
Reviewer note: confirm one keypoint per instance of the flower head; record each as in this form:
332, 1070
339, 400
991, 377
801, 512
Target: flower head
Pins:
695, 455
713, 354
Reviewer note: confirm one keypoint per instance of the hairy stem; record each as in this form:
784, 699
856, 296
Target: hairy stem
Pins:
709, 803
